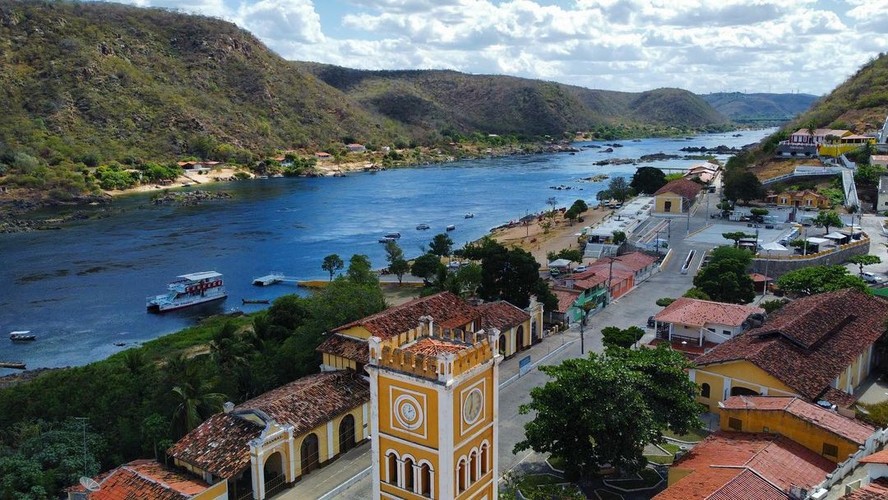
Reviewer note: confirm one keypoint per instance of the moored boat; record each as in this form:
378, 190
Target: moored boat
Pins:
189, 290
469, 216
422, 227
22, 336
17, 365
393, 236
450, 227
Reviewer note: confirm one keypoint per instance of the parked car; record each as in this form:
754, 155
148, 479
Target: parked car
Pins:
580, 269
871, 278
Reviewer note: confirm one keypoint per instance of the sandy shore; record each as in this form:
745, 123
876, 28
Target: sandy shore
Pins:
538, 242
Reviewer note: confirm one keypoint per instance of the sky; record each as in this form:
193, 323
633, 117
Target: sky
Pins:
781, 46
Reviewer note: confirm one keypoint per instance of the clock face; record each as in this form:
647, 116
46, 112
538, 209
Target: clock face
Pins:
472, 406
408, 413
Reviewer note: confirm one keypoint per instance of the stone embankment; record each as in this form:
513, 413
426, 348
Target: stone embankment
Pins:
188, 198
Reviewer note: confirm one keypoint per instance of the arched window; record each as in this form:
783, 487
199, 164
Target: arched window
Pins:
425, 480
484, 458
392, 463
408, 474
704, 390
473, 467
461, 476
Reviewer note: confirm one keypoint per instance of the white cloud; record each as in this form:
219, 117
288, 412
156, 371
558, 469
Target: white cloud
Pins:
633, 45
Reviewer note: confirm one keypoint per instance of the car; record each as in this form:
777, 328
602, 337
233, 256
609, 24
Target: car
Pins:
651, 322
580, 269
871, 278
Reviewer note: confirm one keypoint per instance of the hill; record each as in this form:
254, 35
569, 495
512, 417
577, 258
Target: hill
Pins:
452, 101
760, 108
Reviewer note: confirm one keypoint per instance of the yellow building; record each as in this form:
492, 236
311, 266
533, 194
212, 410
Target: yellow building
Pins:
676, 197
434, 414
346, 346
264, 445
801, 199
818, 348
825, 432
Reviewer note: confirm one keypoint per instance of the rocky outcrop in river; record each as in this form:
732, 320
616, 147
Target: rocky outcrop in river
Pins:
188, 198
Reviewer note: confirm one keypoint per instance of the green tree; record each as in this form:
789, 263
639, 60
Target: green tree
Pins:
641, 393
393, 251
758, 214
427, 267
736, 236
819, 279
360, 270
332, 263
510, 275
603, 195
827, 219
865, 260
195, 404
725, 277
742, 185
399, 267
664, 301
441, 245
23, 478
619, 237
579, 206
696, 293
571, 254
613, 336
648, 180
619, 189
725, 206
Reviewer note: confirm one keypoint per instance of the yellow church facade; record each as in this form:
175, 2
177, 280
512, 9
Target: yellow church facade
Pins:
434, 414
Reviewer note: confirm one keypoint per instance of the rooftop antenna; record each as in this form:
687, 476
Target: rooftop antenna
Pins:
89, 483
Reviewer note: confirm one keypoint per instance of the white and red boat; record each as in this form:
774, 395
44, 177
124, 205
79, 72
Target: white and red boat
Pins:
189, 290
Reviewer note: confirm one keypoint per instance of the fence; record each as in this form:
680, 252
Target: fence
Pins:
777, 265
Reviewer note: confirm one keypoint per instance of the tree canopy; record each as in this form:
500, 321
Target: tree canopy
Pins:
725, 278
619, 189
332, 263
441, 245
865, 260
613, 336
512, 275
577, 412
742, 185
827, 219
648, 180
818, 279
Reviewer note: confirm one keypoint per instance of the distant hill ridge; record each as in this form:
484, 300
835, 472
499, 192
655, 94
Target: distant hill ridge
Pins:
103, 81
760, 108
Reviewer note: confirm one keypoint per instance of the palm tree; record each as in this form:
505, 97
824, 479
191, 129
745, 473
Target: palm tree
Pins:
195, 405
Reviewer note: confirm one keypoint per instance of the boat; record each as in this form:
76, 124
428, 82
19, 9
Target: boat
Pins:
18, 365
450, 227
22, 336
189, 290
393, 236
386, 239
469, 216
254, 301
422, 227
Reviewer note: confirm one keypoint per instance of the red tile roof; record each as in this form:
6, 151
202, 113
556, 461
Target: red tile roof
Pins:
681, 187
346, 347
696, 312
220, 445
501, 315
879, 457
721, 464
445, 308
876, 490
566, 298
809, 342
145, 480
636, 261
853, 430
434, 347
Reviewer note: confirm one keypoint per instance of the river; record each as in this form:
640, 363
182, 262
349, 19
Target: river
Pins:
82, 289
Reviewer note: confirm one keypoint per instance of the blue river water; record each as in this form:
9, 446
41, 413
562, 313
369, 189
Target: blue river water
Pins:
82, 289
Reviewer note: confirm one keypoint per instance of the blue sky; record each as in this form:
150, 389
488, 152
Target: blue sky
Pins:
632, 45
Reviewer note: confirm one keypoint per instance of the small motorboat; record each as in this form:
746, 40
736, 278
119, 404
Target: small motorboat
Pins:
386, 239
393, 236
450, 227
22, 336
422, 227
469, 216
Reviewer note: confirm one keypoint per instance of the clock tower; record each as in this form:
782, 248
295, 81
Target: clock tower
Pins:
434, 402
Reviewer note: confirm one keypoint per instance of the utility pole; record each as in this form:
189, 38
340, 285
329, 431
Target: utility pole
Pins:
669, 229
610, 276
83, 421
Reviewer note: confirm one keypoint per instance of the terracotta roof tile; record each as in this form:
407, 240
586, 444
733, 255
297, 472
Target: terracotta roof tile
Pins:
696, 312
810, 341
876, 490
448, 311
346, 347
681, 187
220, 445
636, 261
434, 346
501, 315
879, 457
566, 298
145, 480
719, 461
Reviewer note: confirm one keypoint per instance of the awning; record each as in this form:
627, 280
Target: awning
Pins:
816, 241
560, 263
836, 236
774, 247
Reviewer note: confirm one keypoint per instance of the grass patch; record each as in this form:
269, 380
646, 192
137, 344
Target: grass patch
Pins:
200, 334
660, 459
694, 436
671, 448
556, 462
648, 479
546, 486
608, 495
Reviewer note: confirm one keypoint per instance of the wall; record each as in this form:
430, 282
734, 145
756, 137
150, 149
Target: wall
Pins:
741, 374
779, 267
802, 432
